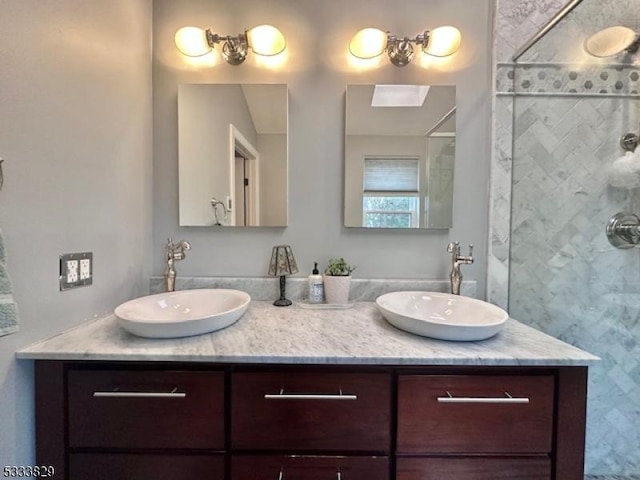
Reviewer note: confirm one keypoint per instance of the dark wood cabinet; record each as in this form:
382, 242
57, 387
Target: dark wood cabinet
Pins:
146, 409
475, 414
307, 411
474, 468
137, 466
141, 420
273, 467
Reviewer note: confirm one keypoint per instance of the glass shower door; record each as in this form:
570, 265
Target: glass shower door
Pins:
565, 277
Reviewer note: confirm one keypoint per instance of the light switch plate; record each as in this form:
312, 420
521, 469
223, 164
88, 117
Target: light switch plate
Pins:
76, 270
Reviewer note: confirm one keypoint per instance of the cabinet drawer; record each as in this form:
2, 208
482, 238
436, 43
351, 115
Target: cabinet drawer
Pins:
307, 411
474, 414
272, 467
146, 409
476, 468
104, 466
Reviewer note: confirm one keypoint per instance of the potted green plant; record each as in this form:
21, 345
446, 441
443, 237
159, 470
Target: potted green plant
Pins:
337, 281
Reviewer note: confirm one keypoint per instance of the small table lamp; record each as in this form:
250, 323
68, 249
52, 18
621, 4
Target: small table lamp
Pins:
282, 263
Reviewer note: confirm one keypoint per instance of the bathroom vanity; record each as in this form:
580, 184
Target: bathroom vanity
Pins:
290, 393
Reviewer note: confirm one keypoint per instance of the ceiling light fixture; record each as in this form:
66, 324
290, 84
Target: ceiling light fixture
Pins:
372, 42
264, 40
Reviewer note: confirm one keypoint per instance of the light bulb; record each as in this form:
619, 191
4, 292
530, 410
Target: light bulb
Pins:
443, 41
192, 41
266, 40
610, 41
368, 43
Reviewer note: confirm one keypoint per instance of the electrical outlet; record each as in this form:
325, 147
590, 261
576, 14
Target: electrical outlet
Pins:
85, 268
76, 270
72, 271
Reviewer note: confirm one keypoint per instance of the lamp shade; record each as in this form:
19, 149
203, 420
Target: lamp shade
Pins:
192, 41
368, 43
266, 40
443, 41
282, 261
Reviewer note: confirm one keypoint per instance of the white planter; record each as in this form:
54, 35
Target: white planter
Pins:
336, 289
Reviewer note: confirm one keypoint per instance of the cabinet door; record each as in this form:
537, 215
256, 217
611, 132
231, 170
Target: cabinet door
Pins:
146, 409
473, 468
475, 414
250, 467
106, 466
301, 412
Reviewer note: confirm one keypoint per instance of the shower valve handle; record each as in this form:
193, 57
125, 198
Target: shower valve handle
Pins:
623, 230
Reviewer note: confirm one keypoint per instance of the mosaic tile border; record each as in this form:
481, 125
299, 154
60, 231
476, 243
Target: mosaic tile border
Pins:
568, 79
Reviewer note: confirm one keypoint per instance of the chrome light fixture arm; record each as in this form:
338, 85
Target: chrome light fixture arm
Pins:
400, 51
371, 42
234, 49
265, 40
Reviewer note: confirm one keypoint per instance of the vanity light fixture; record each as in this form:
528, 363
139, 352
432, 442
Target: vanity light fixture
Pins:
371, 42
612, 41
265, 40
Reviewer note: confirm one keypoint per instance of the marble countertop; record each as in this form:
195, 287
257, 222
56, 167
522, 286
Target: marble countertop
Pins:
296, 335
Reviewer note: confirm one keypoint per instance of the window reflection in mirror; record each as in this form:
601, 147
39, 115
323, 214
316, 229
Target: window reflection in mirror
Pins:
399, 156
232, 143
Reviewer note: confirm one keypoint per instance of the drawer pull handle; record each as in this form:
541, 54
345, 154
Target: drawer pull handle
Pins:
506, 399
308, 396
281, 475
123, 394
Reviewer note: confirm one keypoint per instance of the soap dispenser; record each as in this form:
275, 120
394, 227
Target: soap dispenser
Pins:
316, 286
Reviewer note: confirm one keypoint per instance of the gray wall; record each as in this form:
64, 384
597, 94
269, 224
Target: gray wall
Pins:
273, 178
317, 70
75, 130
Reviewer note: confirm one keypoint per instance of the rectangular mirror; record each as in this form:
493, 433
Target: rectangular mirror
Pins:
400, 144
233, 150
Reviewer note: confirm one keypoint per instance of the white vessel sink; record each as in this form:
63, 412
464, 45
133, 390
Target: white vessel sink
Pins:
441, 315
183, 313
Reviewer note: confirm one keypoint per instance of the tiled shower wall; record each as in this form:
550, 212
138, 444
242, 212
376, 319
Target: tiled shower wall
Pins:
516, 21
566, 279
555, 140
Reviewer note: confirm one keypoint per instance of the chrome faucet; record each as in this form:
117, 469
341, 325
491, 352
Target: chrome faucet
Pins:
456, 261
175, 252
